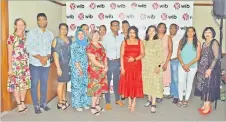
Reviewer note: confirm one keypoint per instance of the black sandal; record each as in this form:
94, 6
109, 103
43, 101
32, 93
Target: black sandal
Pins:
101, 109
67, 104
25, 109
153, 106
63, 106
97, 113
20, 111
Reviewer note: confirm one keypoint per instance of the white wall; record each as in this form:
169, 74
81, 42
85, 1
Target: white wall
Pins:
202, 17
28, 10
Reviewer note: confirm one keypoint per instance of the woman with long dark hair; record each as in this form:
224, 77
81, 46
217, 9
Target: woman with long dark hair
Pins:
209, 73
151, 67
130, 83
167, 48
188, 55
61, 54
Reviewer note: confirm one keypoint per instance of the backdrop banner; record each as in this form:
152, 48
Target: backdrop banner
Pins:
139, 13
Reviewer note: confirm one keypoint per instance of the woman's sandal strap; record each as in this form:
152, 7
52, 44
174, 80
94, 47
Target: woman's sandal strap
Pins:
64, 106
179, 104
21, 111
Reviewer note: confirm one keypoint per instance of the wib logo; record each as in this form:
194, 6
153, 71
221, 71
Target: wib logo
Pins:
70, 16
135, 5
92, 27
182, 28
123, 16
114, 6
186, 16
101, 16
177, 6
93, 6
72, 26
73, 6
81, 16
164, 16
144, 16
157, 6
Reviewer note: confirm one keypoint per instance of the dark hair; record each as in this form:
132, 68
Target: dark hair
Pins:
114, 21
125, 22
41, 15
162, 24
173, 24
211, 29
15, 23
184, 40
83, 25
147, 36
103, 27
63, 24
135, 29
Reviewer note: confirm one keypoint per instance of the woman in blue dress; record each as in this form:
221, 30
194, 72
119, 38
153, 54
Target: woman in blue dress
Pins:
79, 76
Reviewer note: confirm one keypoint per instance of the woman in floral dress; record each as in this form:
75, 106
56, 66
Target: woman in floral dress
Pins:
19, 74
97, 70
79, 76
151, 71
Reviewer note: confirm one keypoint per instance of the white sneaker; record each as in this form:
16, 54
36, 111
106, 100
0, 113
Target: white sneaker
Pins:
79, 109
86, 107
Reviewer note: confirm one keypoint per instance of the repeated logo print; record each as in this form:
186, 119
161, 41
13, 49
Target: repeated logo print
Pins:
113, 5
72, 26
177, 6
164, 16
94, 5
101, 16
186, 16
80, 16
133, 5
73, 6
92, 27
122, 16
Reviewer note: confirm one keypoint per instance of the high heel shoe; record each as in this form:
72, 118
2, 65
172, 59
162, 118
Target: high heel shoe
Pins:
200, 109
208, 112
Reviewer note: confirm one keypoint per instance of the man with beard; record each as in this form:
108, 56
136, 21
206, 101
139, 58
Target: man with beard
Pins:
39, 48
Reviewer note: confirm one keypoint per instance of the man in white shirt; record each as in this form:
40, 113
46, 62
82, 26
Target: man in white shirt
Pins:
174, 62
112, 43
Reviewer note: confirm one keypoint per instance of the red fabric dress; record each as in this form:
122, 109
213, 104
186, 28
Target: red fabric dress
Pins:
130, 84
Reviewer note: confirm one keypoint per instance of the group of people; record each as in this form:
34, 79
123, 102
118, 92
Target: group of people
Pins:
159, 66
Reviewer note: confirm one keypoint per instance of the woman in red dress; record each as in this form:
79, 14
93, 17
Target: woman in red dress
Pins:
132, 51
